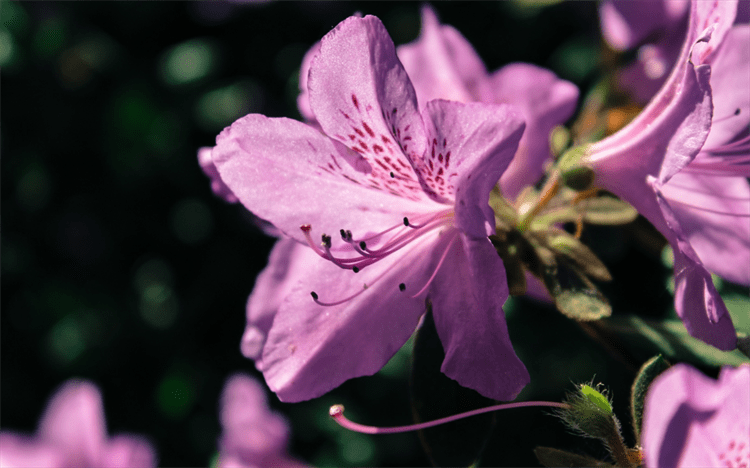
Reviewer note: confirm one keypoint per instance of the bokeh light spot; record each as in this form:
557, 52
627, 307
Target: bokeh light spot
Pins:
65, 341
188, 62
356, 448
218, 108
191, 221
158, 303
175, 395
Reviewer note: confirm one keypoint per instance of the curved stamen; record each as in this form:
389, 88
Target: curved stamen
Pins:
367, 256
337, 413
365, 287
437, 268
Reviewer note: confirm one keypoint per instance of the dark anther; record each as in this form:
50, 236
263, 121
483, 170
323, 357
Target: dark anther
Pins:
326, 240
392, 175
406, 221
362, 245
343, 234
737, 112
348, 235
314, 295
402, 287
355, 269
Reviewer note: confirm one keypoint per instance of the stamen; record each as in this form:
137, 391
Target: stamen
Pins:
440, 263
736, 112
363, 245
402, 287
337, 413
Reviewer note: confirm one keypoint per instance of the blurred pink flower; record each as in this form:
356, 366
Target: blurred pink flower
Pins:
253, 436
657, 28
691, 420
72, 434
666, 163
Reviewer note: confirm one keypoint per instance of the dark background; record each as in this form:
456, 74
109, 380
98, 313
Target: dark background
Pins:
120, 266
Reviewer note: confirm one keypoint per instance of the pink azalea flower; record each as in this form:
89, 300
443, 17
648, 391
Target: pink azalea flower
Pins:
72, 433
408, 194
700, 202
253, 435
442, 64
691, 420
629, 23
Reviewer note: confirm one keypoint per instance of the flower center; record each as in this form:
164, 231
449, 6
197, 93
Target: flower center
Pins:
356, 253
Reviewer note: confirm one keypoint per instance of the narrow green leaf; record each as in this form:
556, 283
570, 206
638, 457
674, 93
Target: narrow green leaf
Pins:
648, 372
670, 338
606, 211
434, 396
573, 249
553, 457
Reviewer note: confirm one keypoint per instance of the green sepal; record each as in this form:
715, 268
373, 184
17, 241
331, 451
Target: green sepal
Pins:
648, 372
434, 395
607, 211
553, 457
597, 398
564, 244
573, 172
590, 414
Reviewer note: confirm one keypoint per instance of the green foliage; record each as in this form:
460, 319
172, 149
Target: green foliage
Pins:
648, 372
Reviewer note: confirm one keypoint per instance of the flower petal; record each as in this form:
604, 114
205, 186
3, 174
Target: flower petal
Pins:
545, 101
288, 173
74, 419
312, 349
442, 64
303, 100
217, 185
19, 451
692, 420
663, 145
362, 96
714, 214
626, 23
696, 300
128, 452
250, 430
472, 144
730, 72
286, 266
467, 301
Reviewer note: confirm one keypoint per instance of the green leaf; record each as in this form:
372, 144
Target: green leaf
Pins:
574, 250
648, 372
583, 305
433, 395
553, 457
606, 211
591, 394
644, 339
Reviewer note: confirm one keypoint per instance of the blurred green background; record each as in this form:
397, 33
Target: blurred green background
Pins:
120, 266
